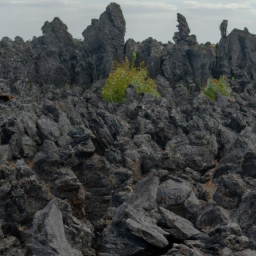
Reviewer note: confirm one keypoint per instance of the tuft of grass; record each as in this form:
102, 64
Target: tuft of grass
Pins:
214, 86
67, 86
125, 74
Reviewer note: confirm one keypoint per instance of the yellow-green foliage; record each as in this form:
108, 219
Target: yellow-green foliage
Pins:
214, 86
125, 74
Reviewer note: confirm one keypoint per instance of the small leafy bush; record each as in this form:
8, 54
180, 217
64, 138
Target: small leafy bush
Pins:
125, 74
214, 86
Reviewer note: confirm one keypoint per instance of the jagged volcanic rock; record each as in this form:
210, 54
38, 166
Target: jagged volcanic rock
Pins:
103, 43
183, 29
236, 57
46, 59
54, 55
169, 175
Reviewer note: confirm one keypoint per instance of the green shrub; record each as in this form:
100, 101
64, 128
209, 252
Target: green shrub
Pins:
214, 86
125, 74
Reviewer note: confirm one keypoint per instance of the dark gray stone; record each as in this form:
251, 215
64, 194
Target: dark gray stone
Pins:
245, 215
171, 193
103, 43
178, 227
48, 128
223, 28
229, 191
48, 233
128, 178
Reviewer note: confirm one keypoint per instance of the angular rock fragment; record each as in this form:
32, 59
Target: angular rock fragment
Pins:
48, 235
178, 227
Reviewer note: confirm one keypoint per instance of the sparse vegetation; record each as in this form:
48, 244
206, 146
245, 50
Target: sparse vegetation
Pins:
125, 74
214, 86
67, 86
77, 41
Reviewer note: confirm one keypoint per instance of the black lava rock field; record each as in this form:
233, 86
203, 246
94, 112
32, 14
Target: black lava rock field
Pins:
171, 175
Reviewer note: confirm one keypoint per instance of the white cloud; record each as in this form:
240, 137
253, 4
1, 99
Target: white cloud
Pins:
196, 4
47, 3
149, 4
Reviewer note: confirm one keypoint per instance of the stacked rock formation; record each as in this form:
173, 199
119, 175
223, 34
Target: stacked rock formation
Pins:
183, 29
223, 28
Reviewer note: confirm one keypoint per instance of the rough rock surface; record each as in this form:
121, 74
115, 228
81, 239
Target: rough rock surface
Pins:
223, 28
183, 29
103, 43
47, 59
48, 235
172, 175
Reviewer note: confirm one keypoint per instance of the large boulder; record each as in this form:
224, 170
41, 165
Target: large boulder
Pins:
134, 227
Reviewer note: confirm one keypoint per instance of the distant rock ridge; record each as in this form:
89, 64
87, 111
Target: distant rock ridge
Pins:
56, 58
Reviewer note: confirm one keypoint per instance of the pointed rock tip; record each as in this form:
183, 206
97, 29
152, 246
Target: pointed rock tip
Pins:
114, 5
180, 16
56, 24
182, 19
182, 27
112, 15
116, 14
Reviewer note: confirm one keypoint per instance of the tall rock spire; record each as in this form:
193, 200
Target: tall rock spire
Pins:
223, 28
103, 43
182, 27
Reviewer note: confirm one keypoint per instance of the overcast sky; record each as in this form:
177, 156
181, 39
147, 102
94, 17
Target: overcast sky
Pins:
149, 18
